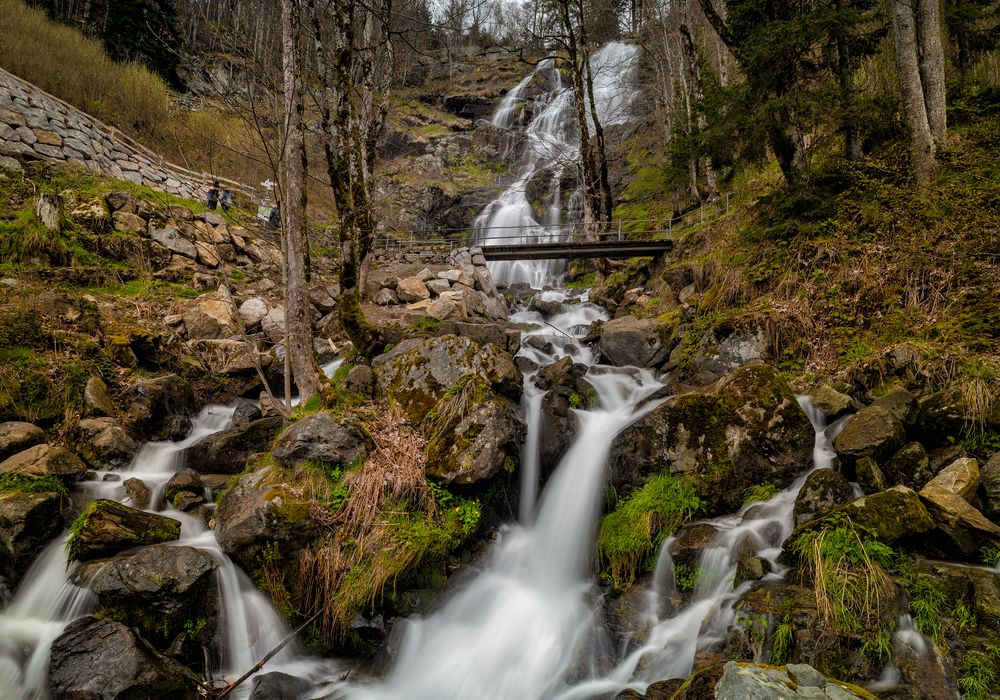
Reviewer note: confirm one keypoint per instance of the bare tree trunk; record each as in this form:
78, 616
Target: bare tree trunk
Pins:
694, 69
932, 67
914, 110
297, 313
845, 78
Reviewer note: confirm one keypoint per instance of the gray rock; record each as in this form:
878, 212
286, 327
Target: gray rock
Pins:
104, 444
547, 308
279, 686
385, 297
212, 316
213, 218
229, 451
253, 311
446, 308
900, 404
872, 432
96, 398
910, 466
28, 522
161, 408
8, 163
823, 490
322, 438
634, 341
436, 286
246, 411
229, 355
44, 460
157, 590
831, 402
49, 210
100, 659
127, 222
184, 480
171, 239
17, 436
990, 477
107, 528
361, 380
274, 324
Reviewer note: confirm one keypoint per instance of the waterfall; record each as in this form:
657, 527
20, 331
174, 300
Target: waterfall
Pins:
552, 143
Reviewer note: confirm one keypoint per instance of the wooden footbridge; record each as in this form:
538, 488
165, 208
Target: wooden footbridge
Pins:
610, 239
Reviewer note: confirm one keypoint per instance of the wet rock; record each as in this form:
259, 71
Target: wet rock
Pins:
891, 515
95, 659
105, 444
873, 432
45, 460
106, 528
419, 371
961, 478
160, 408
261, 509
412, 289
910, 466
823, 490
750, 431
159, 590
751, 569
17, 436
213, 316
361, 380
990, 478
745, 681
138, 493
96, 399
183, 480
279, 686
962, 529
691, 541
322, 438
634, 341
28, 521
831, 402
547, 308
229, 451
246, 411
869, 476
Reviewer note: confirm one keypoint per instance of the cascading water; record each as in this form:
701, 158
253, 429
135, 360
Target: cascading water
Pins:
46, 601
551, 144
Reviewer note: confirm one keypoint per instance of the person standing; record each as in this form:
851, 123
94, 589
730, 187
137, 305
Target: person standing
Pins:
213, 196
226, 200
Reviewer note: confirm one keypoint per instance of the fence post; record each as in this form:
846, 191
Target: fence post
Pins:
619, 230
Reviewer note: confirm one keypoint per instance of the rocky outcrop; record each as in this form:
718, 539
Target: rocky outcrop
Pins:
634, 341
104, 444
106, 528
160, 408
744, 681
28, 521
100, 659
96, 399
17, 436
322, 438
229, 451
45, 460
823, 490
750, 431
161, 590
566, 389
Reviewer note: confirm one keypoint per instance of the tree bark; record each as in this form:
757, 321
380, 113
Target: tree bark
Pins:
845, 79
932, 67
298, 312
914, 110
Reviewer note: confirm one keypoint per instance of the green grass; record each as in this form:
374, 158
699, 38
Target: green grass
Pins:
979, 675
630, 534
760, 492
21, 483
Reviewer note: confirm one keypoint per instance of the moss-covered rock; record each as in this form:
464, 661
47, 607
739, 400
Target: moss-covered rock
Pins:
750, 431
105, 444
229, 451
105, 528
910, 466
890, 515
823, 490
874, 432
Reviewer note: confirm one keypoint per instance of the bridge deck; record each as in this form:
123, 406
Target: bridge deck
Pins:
579, 249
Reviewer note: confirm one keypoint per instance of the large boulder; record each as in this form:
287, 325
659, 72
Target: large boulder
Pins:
45, 460
419, 371
273, 324
229, 451
641, 342
28, 521
100, 659
900, 404
106, 528
745, 681
173, 240
891, 515
161, 408
104, 444
213, 315
412, 289
96, 398
565, 389
261, 509
750, 431
832, 403
961, 529
184, 480
17, 436
961, 478
823, 490
322, 438
873, 432
947, 412
161, 590
279, 686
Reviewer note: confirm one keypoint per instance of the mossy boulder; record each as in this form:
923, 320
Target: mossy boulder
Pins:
910, 466
639, 342
873, 432
823, 490
101, 658
105, 444
28, 521
890, 515
45, 460
164, 591
751, 430
105, 528
322, 438
161, 408
260, 509
832, 403
17, 436
947, 412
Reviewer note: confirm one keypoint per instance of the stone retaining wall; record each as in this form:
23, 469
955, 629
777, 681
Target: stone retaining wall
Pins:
35, 124
443, 256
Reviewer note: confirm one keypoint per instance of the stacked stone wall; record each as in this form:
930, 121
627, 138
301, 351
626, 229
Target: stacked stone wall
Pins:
37, 125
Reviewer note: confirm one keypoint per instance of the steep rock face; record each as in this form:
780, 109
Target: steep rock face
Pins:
259, 510
750, 431
160, 589
160, 408
28, 521
103, 660
229, 451
106, 528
